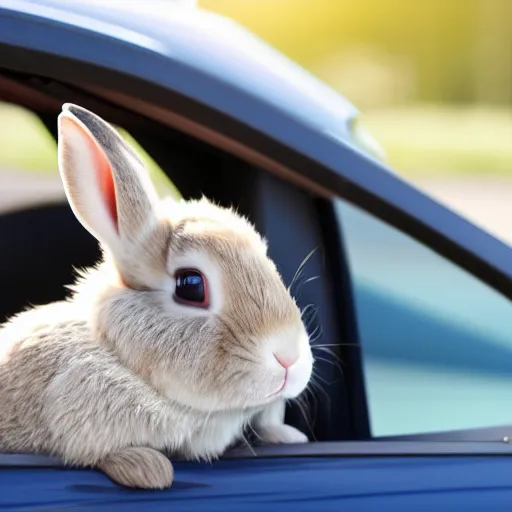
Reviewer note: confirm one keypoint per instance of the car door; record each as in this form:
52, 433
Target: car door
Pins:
371, 473
365, 457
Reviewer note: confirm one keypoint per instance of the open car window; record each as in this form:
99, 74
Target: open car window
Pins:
436, 341
294, 222
28, 162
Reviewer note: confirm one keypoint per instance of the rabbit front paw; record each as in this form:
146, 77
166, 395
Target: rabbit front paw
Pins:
142, 468
281, 433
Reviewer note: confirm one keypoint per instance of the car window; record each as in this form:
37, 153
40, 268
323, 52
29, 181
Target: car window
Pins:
28, 161
436, 341
161, 181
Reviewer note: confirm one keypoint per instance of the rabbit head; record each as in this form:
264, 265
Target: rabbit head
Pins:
186, 296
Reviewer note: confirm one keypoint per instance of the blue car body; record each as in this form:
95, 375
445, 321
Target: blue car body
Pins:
305, 484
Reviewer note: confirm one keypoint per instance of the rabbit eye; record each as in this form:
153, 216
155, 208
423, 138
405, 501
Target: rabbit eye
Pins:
191, 288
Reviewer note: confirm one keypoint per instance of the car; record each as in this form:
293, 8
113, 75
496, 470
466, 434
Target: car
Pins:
407, 302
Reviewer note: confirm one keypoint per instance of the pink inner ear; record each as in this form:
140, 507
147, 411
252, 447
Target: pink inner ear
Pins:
105, 180
106, 184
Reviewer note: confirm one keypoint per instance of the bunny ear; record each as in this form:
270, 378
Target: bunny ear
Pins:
105, 182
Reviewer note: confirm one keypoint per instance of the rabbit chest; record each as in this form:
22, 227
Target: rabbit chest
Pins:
210, 434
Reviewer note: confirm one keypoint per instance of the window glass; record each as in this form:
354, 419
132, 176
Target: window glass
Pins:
161, 181
28, 162
436, 341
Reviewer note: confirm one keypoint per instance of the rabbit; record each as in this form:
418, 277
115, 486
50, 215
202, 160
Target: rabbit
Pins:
180, 338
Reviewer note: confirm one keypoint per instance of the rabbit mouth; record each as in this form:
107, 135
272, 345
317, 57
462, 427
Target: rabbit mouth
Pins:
281, 388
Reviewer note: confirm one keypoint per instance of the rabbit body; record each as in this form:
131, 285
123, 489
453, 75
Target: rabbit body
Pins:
65, 394
181, 337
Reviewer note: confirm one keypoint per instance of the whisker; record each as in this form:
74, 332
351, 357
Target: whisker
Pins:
336, 345
316, 334
301, 285
318, 387
321, 379
311, 412
318, 358
305, 416
328, 351
309, 315
302, 264
296, 278
313, 398
337, 363
309, 392
315, 386
306, 309
314, 278
248, 445
255, 433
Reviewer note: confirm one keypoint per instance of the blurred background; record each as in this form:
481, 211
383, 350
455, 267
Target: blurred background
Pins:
432, 78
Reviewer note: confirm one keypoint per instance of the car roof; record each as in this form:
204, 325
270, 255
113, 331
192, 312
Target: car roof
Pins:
181, 33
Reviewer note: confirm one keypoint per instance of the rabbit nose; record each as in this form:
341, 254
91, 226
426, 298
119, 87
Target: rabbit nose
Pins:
286, 361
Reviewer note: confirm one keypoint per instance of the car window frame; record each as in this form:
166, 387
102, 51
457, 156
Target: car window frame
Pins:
433, 443
320, 161
327, 167
500, 434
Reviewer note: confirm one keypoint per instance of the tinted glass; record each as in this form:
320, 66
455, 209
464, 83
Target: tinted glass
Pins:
437, 342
